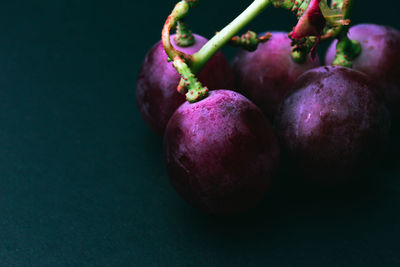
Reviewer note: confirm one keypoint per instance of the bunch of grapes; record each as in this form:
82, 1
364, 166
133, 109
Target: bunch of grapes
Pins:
223, 144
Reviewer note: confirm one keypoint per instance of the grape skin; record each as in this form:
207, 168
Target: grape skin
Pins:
156, 94
221, 153
379, 59
266, 75
333, 124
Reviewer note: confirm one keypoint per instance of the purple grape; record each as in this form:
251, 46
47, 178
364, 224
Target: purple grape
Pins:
265, 75
156, 93
333, 124
221, 153
379, 59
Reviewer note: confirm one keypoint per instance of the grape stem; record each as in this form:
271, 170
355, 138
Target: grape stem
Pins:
346, 49
345, 6
192, 64
249, 41
184, 37
225, 35
178, 13
196, 90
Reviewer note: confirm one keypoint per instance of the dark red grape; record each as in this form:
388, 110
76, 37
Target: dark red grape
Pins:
221, 153
156, 93
379, 59
265, 75
333, 124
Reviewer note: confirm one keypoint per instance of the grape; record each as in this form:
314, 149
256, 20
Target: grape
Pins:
265, 75
156, 93
333, 125
379, 59
221, 153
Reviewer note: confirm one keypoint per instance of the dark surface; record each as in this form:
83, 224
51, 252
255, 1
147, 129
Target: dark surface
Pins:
82, 180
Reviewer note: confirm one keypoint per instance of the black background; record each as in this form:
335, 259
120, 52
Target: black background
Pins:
82, 180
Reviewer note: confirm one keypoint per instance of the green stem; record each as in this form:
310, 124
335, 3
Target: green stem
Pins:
337, 4
180, 11
249, 41
195, 90
200, 58
302, 48
184, 36
346, 49
346, 6
188, 65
